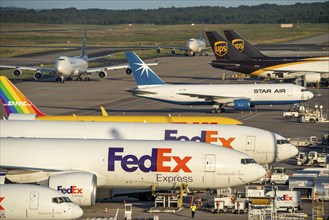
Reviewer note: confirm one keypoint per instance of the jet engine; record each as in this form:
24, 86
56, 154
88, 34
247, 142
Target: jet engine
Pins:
128, 71
241, 104
17, 72
80, 187
102, 74
37, 75
158, 50
312, 77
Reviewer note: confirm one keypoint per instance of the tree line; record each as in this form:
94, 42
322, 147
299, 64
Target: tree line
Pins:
265, 13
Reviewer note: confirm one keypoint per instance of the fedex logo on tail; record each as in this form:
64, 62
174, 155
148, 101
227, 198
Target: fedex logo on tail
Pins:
209, 137
155, 162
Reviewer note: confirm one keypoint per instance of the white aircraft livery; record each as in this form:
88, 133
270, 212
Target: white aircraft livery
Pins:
193, 46
237, 96
77, 167
264, 146
24, 201
69, 67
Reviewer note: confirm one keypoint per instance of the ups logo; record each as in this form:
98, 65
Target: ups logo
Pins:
238, 44
220, 48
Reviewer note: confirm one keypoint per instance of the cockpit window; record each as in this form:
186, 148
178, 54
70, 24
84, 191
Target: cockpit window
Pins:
59, 200
61, 59
304, 90
247, 161
283, 141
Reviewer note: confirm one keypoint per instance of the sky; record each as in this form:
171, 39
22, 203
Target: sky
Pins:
135, 4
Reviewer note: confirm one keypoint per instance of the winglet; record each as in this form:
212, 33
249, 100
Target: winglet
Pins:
104, 113
143, 75
14, 101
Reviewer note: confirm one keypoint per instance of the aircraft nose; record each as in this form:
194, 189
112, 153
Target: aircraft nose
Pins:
286, 151
310, 95
77, 212
255, 172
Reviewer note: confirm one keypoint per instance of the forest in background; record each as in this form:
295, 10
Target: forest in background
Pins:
259, 14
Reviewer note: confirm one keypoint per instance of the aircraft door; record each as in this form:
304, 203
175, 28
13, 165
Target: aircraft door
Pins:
210, 163
250, 150
34, 200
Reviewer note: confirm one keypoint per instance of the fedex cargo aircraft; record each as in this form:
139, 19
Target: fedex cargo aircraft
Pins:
24, 201
78, 167
264, 146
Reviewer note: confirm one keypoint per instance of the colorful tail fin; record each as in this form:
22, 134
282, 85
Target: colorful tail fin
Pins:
242, 44
14, 100
143, 75
224, 50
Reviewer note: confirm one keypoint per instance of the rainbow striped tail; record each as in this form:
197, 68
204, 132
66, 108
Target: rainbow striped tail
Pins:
14, 101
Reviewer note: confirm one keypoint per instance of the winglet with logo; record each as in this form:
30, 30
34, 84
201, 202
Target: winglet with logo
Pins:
14, 101
143, 75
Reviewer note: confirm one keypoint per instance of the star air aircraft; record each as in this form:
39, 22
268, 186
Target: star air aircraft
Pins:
24, 201
264, 146
237, 96
18, 106
78, 167
71, 67
228, 57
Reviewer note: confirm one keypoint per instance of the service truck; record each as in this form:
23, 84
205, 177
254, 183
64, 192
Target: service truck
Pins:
286, 200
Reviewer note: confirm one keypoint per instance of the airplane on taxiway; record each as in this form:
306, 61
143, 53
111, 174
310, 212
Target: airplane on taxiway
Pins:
17, 106
237, 96
228, 57
264, 146
193, 46
78, 167
71, 67
25, 201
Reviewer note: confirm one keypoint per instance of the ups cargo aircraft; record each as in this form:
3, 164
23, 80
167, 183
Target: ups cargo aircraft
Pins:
24, 201
78, 167
251, 51
18, 106
70, 67
264, 146
237, 96
230, 58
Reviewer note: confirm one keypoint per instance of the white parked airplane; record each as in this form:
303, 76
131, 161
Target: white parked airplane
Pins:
237, 96
193, 46
23, 201
77, 167
264, 146
71, 67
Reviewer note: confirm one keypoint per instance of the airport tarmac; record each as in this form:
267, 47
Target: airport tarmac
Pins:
85, 97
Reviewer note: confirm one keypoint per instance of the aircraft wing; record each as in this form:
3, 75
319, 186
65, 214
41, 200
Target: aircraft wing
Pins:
216, 99
117, 67
47, 70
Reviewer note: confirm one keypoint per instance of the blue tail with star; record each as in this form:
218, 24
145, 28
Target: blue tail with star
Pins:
143, 75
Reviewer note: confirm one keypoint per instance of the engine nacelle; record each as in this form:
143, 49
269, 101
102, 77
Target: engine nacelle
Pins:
80, 187
37, 75
128, 71
17, 72
158, 50
312, 77
102, 74
241, 104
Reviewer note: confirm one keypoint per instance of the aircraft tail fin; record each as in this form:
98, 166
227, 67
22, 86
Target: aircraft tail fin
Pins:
242, 44
202, 31
224, 50
14, 101
83, 48
143, 74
